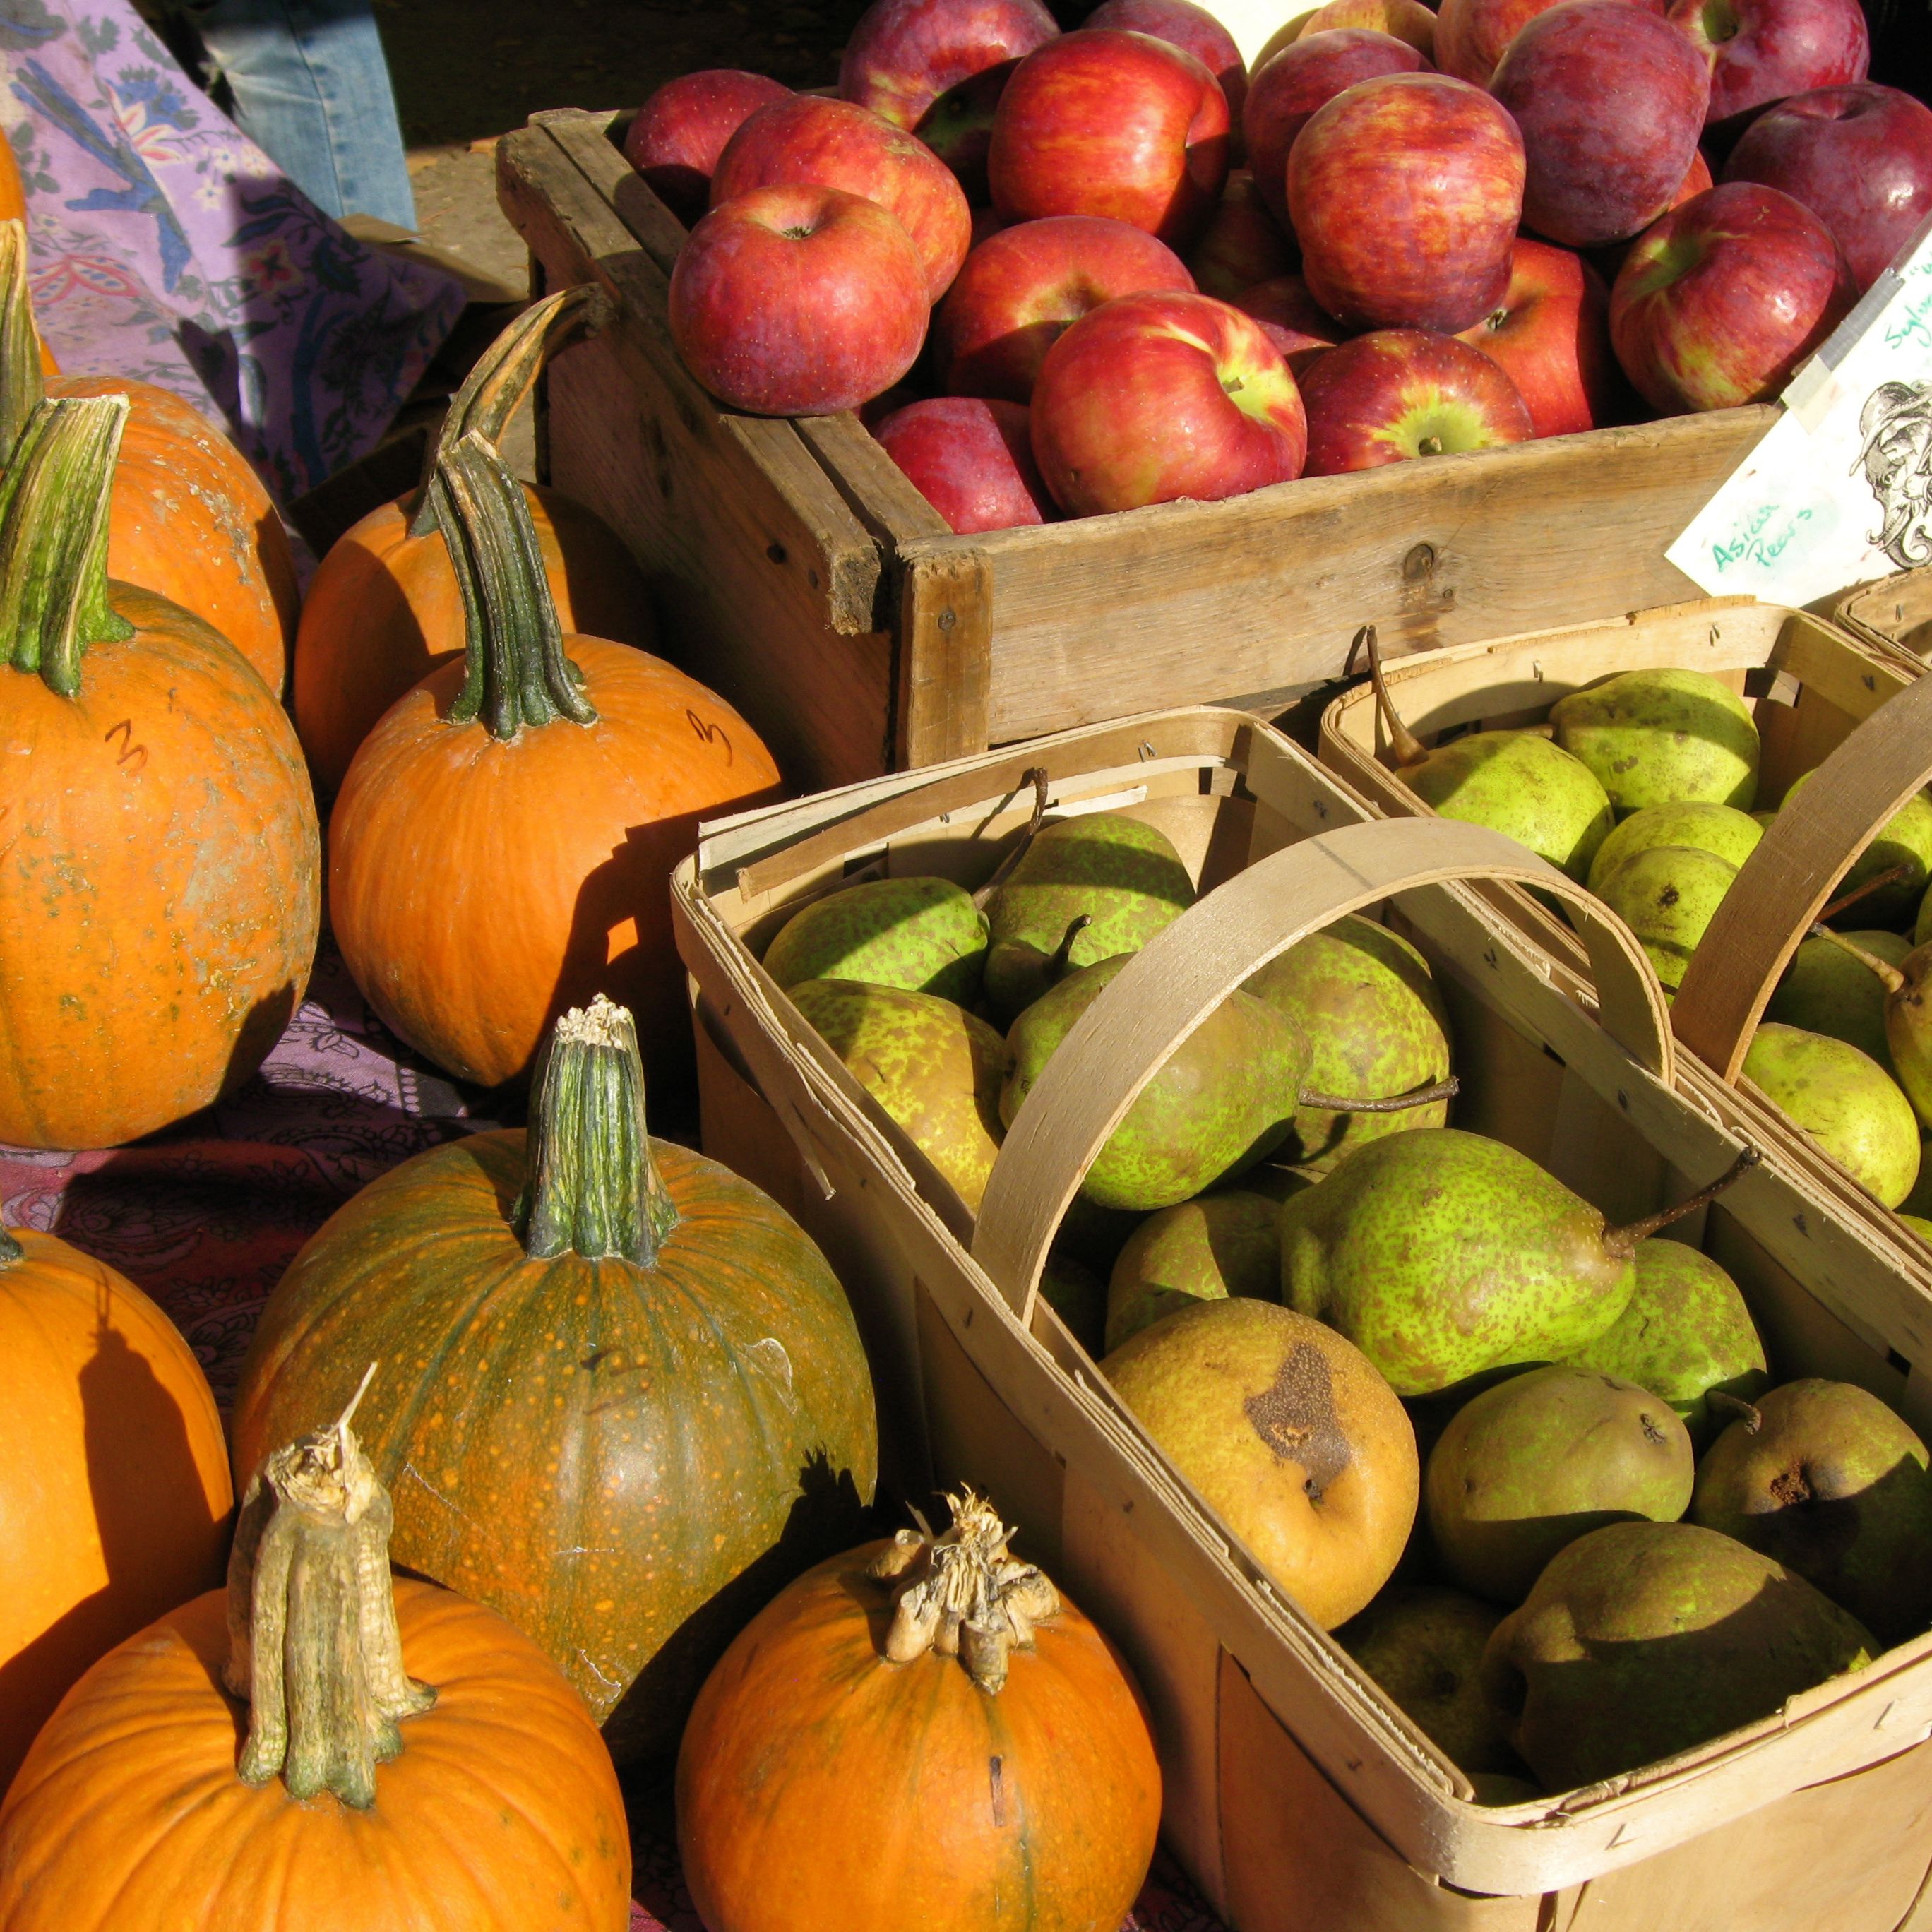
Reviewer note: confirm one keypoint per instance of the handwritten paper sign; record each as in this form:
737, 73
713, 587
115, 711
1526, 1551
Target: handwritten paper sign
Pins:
1839, 489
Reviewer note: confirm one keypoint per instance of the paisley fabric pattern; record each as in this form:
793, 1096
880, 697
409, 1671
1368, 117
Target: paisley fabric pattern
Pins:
166, 246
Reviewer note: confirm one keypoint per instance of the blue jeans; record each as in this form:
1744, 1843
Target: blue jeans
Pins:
310, 88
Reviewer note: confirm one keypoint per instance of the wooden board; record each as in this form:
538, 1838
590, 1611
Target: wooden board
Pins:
1895, 613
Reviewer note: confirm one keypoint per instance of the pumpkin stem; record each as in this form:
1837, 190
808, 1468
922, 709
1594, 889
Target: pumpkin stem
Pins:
10, 1250
312, 1644
962, 1595
23, 387
516, 672
54, 498
502, 380
593, 1188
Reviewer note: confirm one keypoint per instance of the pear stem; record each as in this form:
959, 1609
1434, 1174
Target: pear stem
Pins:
1889, 976
1405, 748
1736, 1408
1396, 1103
1622, 1242
1062, 953
1036, 777
1845, 901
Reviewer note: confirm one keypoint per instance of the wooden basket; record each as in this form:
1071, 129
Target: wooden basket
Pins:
1300, 1797
1895, 614
804, 578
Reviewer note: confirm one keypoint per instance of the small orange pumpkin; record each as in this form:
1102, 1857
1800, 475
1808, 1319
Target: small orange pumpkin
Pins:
498, 850
114, 1493
922, 1733
160, 859
385, 608
480, 1795
191, 520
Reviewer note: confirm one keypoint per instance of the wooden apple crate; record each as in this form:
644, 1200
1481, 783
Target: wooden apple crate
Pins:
1300, 1797
1895, 614
1819, 698
804, 578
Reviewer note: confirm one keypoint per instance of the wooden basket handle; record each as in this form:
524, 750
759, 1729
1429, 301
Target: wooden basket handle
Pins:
1183, 973
1788, 879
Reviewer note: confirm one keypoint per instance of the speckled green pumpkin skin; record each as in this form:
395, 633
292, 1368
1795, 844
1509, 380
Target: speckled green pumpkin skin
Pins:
624, 1462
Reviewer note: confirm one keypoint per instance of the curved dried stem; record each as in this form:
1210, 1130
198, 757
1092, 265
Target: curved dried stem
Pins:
1405, 750
1624, 1240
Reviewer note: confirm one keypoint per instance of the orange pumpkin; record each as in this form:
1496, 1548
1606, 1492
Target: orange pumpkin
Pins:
385, 608
191, 520
498, 850
918, 1733
114, 1494
479, 1796
160, 859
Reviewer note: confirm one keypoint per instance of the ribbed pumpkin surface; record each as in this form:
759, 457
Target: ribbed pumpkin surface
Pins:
820, 1787
595, 1449
160, 884
501, 1814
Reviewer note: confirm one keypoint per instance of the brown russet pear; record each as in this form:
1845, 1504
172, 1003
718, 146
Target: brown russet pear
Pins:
1289, 1434
1423, 1645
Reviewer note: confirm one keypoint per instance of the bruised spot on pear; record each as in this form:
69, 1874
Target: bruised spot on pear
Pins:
1295, 1415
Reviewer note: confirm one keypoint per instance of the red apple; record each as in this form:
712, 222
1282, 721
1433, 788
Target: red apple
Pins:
987, 222
1696, 179
1297, 324
1182, 24
1722, 299
1397, 393
798, 300
1020, 289
675, 138
1244, 244
1102, 122
1860, 158
1610, 101
1157, 397
1405, 193
937, 67
1306, 75
812, 139
1762, 50
1407, 20
971, 460
1551, 335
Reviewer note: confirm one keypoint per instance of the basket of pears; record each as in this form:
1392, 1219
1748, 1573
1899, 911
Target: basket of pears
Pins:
1895, 614
1748, 796
1496, 1462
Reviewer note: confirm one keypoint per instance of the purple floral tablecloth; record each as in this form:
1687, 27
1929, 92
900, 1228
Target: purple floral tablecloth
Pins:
166, 246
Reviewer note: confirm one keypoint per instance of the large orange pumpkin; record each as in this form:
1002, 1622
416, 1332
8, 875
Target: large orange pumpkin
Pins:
13, 189
499, 849
385, 608
473, 1791
191, 520
918, 1734
160, 859
114, 1494
622, 1392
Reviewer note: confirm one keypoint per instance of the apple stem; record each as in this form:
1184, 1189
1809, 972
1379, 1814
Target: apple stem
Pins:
1035, 776
1737, 1408
1622, 1242
1889, 976
1396, 1103
1845, 901
1404, 748
1430, 445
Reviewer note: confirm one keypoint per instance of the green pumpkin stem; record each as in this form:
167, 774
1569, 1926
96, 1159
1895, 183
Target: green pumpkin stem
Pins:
54, 500
23, 387
592, 1188
516, 672
1624, 1240
313, 1643
10, 1250
502, 380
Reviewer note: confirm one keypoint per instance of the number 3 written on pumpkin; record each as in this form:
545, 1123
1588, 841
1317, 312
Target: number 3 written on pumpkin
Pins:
711, 733
132, 755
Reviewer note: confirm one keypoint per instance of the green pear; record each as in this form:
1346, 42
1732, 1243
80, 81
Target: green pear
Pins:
1906, 841
925, 935
1685, 1333
1643, 1639
933, 1067
1423, 1645
1222, 1243
1662, 737
1078, 1296
1441, 1254
1667, 896
1825, 990
1362, 998
1921, 926
1919, 1226
1826, 1480
1842, 1099
1721, 829
1122, 878
1529, 1466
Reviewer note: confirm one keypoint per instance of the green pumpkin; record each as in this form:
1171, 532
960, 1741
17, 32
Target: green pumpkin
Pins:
622, 1397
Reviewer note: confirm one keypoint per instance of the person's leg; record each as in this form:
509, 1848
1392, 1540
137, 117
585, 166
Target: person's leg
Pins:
310, 88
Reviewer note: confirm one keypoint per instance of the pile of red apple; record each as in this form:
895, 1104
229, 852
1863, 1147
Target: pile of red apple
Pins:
1027, 252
